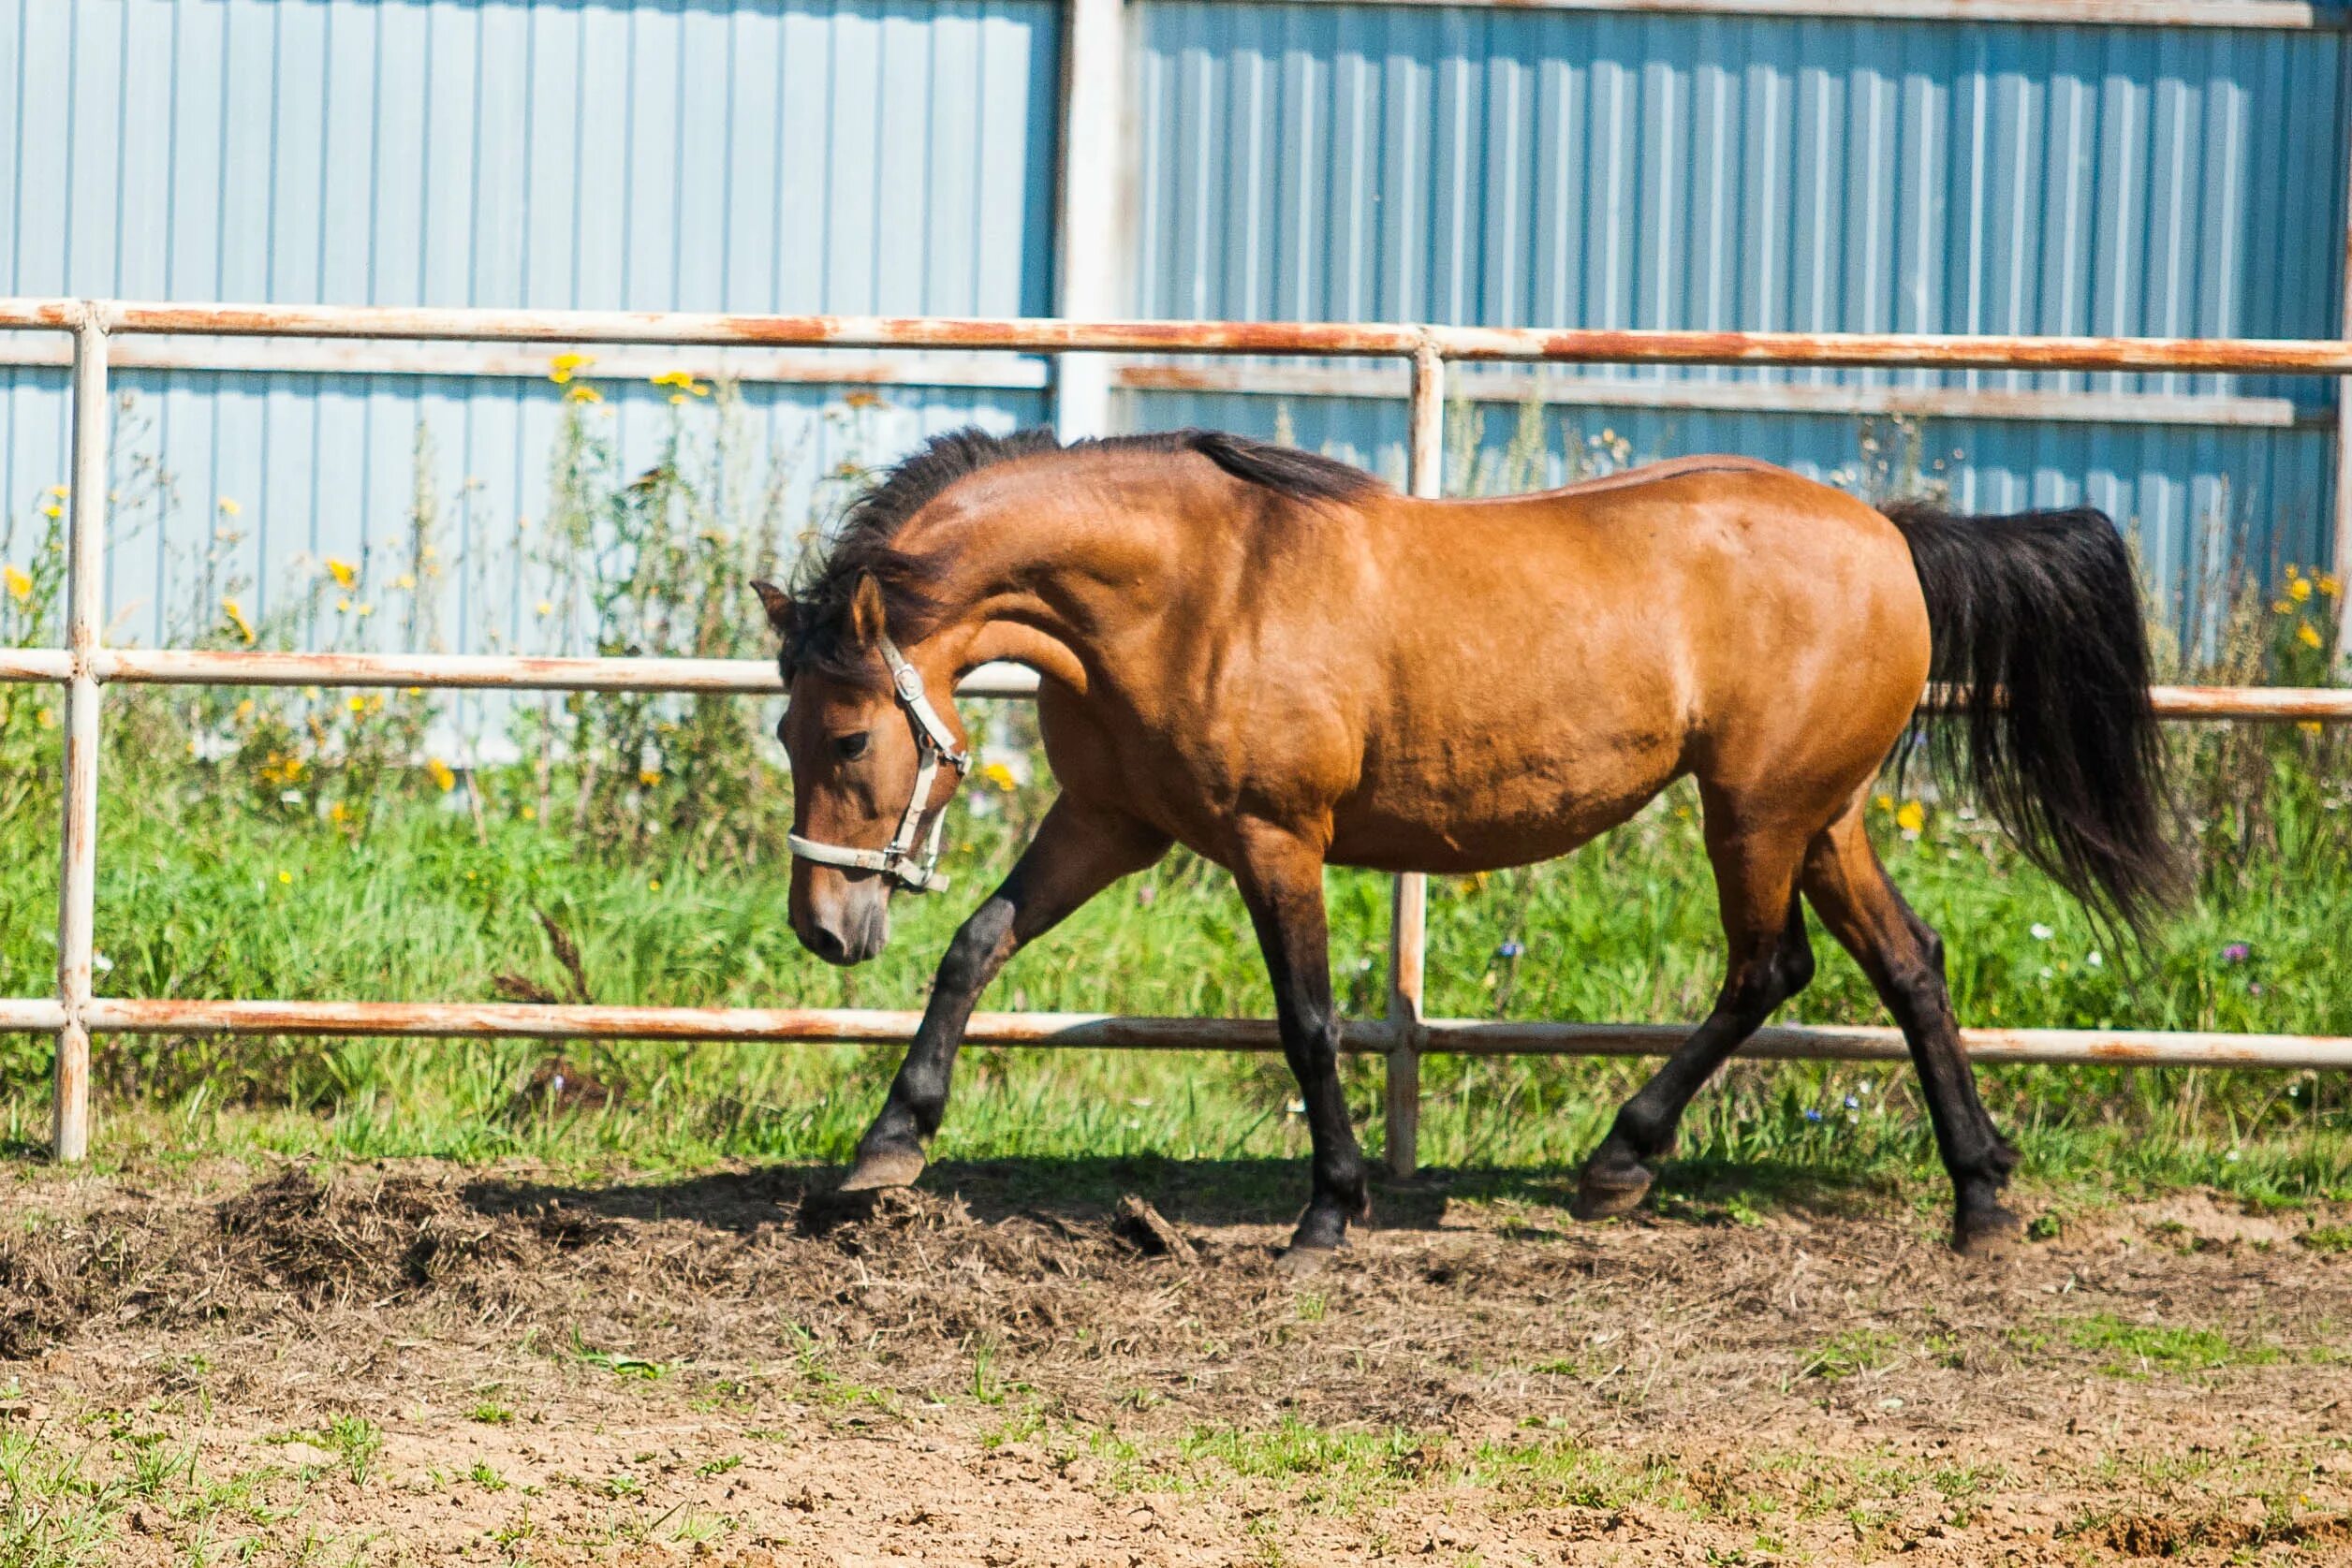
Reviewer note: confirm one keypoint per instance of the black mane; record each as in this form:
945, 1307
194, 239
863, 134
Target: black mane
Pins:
863, 544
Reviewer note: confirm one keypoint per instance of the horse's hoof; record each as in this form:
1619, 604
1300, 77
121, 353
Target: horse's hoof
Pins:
1300, 1262
1606, 1191
1988, 1234
883, 1167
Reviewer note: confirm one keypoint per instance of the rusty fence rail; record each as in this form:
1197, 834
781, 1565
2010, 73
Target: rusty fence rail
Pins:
84, 667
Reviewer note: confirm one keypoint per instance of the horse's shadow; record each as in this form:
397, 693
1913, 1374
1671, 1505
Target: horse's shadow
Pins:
1200, 1194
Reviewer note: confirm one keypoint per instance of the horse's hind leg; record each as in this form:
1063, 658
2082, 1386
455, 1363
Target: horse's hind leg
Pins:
1755, 884
1905, 959
1078, 852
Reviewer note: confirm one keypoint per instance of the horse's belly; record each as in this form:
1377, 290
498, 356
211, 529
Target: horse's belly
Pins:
1426, 820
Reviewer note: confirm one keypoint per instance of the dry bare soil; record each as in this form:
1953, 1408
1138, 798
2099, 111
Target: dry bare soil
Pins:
430, 1364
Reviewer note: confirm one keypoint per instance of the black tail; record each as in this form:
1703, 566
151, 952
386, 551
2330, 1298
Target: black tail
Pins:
2039, 616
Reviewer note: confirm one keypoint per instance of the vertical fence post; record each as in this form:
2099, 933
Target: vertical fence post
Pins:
77, 876
1408, 908
2340, 565
1091, 248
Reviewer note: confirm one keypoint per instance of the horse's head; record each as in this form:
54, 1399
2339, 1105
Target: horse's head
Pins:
875, 763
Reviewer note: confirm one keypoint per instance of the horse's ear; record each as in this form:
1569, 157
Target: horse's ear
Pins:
865, 611
779, 607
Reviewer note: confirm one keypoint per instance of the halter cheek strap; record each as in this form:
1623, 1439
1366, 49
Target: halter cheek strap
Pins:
934, 744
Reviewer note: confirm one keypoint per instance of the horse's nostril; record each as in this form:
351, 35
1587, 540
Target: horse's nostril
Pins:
825, 944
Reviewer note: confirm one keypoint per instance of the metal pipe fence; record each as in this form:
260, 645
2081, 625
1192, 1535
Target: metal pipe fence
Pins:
85, 666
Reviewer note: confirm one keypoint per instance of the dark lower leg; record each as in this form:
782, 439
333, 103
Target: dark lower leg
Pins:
1282, 882
1977, 1158
1075, 853
1905, 959
891, 1153
1340, 1192
1618, 1174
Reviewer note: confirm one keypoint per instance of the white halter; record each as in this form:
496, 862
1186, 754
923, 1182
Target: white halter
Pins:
935, 742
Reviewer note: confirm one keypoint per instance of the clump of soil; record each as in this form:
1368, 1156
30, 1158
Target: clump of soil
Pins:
356, 1239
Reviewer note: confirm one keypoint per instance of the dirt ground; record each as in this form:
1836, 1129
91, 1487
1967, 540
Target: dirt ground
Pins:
428, 1364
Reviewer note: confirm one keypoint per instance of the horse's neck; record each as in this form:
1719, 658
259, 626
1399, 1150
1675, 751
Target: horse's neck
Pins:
1038, 578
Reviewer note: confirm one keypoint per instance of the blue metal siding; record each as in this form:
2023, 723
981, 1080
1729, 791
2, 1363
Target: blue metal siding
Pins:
1588, 169
1617, 169
719, 155
1298, 161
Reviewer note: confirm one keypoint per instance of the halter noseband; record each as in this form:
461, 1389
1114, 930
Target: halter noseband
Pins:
934, 744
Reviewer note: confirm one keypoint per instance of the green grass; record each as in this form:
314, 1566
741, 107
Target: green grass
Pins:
2142, 1349
202, 893
1850, 1355
1329, 1469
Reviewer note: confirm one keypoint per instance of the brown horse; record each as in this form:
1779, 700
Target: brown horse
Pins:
1281, 664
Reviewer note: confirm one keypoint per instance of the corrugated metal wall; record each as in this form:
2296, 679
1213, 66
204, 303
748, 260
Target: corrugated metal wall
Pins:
1312, 160
1563, 169
718, 154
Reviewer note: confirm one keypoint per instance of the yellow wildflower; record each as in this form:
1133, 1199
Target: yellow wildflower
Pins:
287, 878
344, 572
1912, 818
2282, 606
565, 366
585, 393
46, 718
338, 812
2299, 588
438, 771
1884, 802
52, 511
229, 507
2307, 635
356, 703
245, 708
61, 491
416, 691
529, 814
863, 400
20, 586
342, 605
236, 619
366, 609
2330, 585
649, 777
405, 581
2310, 727
545, 608
656, 885
1001, 776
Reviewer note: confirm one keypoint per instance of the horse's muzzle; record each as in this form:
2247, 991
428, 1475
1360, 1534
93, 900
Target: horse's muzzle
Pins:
853, 932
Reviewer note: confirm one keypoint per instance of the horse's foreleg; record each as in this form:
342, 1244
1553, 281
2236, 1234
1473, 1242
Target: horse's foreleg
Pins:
1905, 959
1281, 878
1078, 852
1770, 962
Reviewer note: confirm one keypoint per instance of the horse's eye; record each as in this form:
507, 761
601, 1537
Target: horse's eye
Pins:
849, 746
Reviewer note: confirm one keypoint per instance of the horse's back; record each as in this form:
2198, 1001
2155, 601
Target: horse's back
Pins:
1553, 661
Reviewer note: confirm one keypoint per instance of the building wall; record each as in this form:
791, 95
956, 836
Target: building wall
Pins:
696, 155
1309, 160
